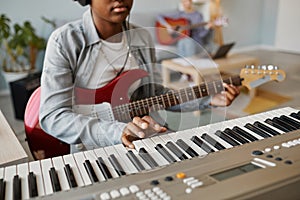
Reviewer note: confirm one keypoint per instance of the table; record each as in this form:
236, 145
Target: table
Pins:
11, 150
232, 64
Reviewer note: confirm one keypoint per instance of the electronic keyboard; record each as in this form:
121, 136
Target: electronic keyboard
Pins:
252, 157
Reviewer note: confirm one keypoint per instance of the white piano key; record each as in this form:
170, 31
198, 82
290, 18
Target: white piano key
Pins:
166, 138
91, 156
69, 159
101, 153
149, 146
215, 137
9, 173
122, 152
140, 159
35, 167
1, 173
111, 150
46, 165
186, 136
159, 140
58, 164
23, 171
80, 158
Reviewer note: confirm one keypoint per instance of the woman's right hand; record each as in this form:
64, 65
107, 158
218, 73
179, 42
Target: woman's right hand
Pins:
140, 128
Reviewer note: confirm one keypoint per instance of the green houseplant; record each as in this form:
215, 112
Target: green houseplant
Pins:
20, 45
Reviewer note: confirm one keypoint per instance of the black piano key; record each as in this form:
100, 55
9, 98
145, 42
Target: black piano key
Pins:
2, 189
186, 148
89, 168
106, 173
275, 124
244, 133
202, 144
212, 141
295, 115
286, 124
17, 193
257, 130
235, 136
266, 128
115, 163
32, 185
176, 151
291, 121
147, 158
70, 176
54, 180
226, 138
165, 153
138, 165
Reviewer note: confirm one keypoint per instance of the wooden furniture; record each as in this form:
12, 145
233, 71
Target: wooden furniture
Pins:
11, 151
229, 65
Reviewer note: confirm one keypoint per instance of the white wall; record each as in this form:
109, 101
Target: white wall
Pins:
288, 29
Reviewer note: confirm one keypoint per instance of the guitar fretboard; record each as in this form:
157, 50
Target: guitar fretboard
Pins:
172, 98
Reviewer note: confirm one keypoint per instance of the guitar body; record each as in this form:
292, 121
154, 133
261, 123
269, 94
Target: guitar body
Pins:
165, 38
43, 145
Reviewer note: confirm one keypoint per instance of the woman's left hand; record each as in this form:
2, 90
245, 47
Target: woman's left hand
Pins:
226, 97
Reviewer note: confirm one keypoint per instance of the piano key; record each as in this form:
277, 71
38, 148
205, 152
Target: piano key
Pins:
212, 141
185, 136
2, 189
202, 144
245, 134
88, 166
166, 138
17, 192
136, 153
257, 130
69, 160
122, 150
211, 133
279, 126
23, 174
122, 160
165, 153
235, 136
226, 138
91, 156
103, 168
46, 166
148, 145
176, 150
115, 163
186, 148
32, 185
70, 176
101, 153
295, 115
290, 120
35, 167
80, 158
262, 121
266, 128
58, 164
135, 161
143, 153
9, 173
54, 180
286, 124
163, 140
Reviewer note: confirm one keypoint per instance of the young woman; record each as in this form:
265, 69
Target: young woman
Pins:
88, 54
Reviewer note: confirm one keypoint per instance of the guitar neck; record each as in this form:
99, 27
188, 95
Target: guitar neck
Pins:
192, 26
172, 98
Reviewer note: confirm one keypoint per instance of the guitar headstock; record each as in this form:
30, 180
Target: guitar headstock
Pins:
255, 76
221, 21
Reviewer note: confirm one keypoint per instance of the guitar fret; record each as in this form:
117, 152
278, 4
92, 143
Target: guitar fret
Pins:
168, 98
144, 107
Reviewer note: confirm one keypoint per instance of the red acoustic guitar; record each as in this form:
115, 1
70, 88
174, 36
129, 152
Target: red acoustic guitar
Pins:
181, 27
111, 102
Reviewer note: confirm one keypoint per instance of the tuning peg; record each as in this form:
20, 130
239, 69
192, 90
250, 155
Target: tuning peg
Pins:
264, 67
270, 67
